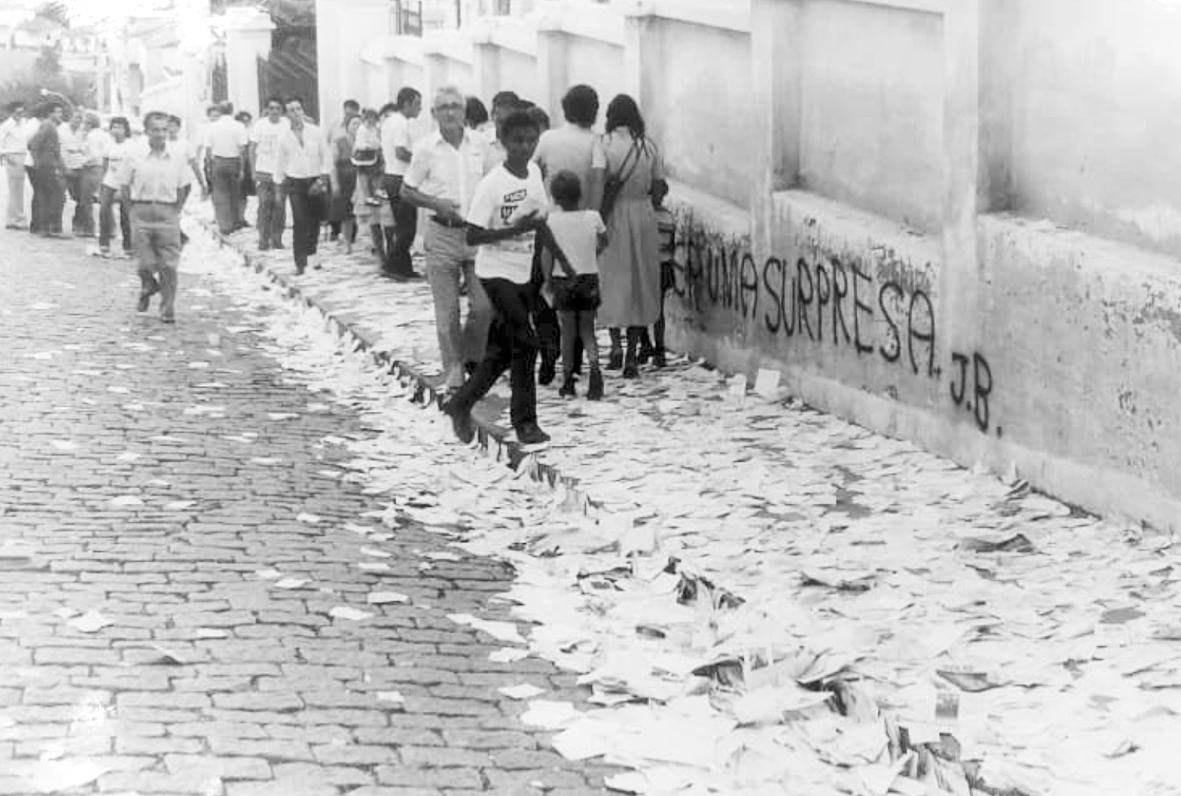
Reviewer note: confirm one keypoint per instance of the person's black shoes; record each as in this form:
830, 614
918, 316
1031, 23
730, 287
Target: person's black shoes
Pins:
594, 390
615, 358
547, 371
567, 389
145, 298
631, 370
658, 358
461, 423
530, 434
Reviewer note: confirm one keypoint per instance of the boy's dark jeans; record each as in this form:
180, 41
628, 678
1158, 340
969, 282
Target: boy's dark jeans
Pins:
512, 345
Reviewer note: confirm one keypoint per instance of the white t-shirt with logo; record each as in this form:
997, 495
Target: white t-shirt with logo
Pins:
500, 198
577, 233
116, 156
265, 135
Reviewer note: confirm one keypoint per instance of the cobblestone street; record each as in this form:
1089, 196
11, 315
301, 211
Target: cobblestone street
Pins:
155, 481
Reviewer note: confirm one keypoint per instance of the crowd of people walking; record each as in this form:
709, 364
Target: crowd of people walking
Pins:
546, 232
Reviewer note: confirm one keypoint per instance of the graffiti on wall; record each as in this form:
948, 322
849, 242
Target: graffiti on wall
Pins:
881, 310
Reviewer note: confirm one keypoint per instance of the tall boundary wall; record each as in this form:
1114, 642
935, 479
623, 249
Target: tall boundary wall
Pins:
956, 222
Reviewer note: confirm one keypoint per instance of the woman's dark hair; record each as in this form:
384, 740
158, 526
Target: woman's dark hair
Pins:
516, 120
581, 105
474, 112
505, 99
623, 112
539, 116
406, 95
566, 188
243, 117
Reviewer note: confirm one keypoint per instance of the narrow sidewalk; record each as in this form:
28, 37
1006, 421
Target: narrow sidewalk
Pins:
1043, 640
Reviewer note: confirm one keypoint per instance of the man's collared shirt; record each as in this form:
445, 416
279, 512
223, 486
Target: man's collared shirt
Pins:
152, 176
445, 172
14, 136
395, 132
73, 145
302, 159
98, 141
266, 135
227, 137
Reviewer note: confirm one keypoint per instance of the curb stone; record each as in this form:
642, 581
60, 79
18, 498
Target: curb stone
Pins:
492, 439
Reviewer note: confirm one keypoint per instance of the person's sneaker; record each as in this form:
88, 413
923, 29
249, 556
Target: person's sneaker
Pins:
461, 423
594, 390
567, 389
530, 434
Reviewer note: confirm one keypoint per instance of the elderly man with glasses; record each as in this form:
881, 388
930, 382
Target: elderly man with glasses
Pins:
445, 168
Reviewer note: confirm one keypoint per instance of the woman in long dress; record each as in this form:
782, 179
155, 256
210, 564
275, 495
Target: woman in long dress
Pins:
629, 267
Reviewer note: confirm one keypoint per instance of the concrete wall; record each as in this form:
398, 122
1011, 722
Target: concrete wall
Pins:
953, 221
1099, 88
872, 108
690, 103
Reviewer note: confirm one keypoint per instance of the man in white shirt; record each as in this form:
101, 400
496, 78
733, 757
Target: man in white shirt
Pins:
109, 196
97, 141
302, 168
396, 147
506, 209
153, 183
227, 139
264, 153
445, 168
14, 142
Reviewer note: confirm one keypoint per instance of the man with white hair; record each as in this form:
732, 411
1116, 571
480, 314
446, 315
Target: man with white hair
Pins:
445, 168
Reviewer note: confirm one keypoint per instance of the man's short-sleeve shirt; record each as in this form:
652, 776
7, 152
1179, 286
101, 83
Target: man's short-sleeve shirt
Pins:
443, 171
266, 135
395, 132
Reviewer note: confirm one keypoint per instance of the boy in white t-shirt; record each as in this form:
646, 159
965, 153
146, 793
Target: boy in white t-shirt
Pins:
507, 208
108, 196
571, 270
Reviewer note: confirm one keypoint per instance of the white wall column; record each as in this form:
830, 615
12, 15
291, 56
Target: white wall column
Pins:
248, 38
776, 38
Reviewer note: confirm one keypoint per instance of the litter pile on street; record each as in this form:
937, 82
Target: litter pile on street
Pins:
761, 598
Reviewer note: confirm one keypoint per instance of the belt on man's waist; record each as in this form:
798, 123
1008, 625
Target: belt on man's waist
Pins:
446, 222
227, 157
152, 202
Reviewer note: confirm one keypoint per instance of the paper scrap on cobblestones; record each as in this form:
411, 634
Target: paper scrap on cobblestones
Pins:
502, 631
522, 691
59, 775
311, 519
386, 597
394, 697
90, 622
351, 614
508, 654
290, 583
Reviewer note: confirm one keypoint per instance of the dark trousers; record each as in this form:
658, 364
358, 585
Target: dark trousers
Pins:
306, 212
272, 213
88, 185
512, 346
49, 199
106, 219
227, 190
405, 226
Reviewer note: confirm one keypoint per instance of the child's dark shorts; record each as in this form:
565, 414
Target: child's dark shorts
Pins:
576, 294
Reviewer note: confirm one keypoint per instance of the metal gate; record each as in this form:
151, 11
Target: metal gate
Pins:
290, 71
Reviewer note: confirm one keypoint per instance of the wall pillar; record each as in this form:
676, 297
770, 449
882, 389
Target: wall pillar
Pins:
776, 40
552, 68
343, 28
248, 38
962, 284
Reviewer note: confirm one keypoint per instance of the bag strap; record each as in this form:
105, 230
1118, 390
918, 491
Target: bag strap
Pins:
552, 243
635, 150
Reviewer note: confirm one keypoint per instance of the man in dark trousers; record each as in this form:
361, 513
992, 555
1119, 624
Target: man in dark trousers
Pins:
49, 175
396, 150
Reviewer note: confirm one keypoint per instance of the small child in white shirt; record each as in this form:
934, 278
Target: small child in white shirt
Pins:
367, 158
572, 277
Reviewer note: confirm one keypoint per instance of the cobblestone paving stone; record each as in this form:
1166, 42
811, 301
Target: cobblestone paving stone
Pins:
126, 489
